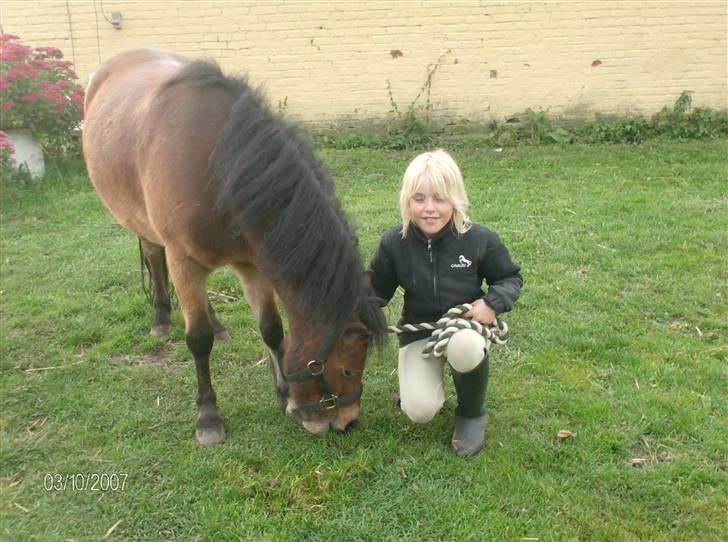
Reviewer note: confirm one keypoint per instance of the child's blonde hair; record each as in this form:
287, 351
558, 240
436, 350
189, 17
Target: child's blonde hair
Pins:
446, 182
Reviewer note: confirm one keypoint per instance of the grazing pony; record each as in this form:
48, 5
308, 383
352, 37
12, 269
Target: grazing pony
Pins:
196, 165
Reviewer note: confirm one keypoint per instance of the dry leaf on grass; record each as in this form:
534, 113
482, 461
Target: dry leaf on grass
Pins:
564, 434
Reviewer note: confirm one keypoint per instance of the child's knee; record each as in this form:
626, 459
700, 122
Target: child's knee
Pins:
422, 410
465, 350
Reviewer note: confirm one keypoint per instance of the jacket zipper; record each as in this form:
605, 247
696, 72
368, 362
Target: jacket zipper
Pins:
433, 267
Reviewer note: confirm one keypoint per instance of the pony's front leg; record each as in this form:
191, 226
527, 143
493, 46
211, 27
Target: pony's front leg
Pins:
189, 279
261, 297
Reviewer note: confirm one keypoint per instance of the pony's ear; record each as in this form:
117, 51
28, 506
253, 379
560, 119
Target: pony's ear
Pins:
366, 279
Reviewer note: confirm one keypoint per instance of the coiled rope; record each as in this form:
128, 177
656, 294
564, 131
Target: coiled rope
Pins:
450, 323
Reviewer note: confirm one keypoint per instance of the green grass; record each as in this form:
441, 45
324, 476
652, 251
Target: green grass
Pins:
620, 337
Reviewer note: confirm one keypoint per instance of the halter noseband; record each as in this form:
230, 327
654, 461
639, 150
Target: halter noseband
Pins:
315, 369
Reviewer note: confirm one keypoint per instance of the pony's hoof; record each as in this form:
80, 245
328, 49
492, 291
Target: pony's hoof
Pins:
160, 331
223, 336
209, 436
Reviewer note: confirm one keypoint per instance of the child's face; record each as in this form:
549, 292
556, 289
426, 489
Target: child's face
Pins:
429, 212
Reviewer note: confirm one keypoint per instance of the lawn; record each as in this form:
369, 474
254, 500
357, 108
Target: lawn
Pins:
621, 337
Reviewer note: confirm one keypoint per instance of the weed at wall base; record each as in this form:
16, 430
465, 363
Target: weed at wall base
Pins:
415, 129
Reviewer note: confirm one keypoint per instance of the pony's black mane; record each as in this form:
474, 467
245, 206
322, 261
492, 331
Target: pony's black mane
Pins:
268, 180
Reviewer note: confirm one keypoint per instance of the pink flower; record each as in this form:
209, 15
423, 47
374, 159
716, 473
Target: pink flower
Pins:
4, 84
6, 142
53, 95
42, 64
8, 57
7, 148
77, 95
14, 51
8, 37
53, 52
59, 63
30, 98
7, 106
58, 109
24, 70
28, 70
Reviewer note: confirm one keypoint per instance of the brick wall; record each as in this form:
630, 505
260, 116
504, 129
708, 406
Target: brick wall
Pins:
327, 61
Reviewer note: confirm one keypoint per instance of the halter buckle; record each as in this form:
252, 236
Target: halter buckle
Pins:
316, 367
329, 402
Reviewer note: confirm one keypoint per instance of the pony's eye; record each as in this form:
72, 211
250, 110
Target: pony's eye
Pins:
347, 373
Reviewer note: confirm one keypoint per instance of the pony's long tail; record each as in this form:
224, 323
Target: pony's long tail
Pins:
146, 280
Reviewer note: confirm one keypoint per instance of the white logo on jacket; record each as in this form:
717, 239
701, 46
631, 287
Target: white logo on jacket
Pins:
464, 262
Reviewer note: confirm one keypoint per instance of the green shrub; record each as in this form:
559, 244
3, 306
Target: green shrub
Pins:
683, 122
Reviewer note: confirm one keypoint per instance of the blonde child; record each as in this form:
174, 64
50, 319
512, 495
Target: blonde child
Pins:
441, 259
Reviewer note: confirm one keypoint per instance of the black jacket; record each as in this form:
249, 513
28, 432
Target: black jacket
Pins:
443, 272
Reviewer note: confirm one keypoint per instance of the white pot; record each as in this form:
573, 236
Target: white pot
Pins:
28, 153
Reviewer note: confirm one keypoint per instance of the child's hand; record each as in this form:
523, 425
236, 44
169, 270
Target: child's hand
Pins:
481, 312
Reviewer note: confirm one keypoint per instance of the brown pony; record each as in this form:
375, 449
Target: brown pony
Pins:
199, 168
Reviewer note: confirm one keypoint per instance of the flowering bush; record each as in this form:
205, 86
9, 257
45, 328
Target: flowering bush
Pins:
38, 91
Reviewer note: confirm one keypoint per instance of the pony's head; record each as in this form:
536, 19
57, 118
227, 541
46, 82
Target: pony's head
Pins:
324, 372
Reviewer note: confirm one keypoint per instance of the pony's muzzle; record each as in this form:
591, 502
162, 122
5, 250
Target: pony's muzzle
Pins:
318, 428
341, 420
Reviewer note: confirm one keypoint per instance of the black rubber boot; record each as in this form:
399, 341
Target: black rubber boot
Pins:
471, 416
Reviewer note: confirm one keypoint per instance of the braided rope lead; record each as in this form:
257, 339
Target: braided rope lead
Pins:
450, 323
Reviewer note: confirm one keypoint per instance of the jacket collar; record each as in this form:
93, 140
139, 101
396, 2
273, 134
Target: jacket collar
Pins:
445, 233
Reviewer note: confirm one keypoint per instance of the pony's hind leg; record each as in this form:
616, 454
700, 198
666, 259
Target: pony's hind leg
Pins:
261, 297
189, 280
154, 259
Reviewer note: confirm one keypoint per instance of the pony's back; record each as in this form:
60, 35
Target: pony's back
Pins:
149, 130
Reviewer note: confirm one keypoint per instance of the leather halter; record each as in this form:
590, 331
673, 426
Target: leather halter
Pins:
315, 369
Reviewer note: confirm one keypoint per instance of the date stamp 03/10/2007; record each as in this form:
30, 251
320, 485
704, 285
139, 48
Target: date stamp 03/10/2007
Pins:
85, 481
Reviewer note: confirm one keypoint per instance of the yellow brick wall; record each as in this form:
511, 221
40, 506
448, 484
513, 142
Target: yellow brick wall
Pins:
331, 60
